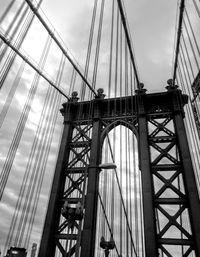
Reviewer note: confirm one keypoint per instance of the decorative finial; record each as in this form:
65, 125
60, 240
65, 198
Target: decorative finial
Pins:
171, 85
74, 94
170, 82
74, 97
141, 89
100, 93
141, 86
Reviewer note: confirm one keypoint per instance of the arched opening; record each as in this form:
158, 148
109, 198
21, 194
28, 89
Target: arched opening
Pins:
120, 215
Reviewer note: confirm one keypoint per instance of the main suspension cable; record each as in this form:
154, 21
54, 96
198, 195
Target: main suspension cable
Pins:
128, 39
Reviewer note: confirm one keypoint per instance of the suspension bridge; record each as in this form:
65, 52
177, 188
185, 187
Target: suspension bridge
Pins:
93, 161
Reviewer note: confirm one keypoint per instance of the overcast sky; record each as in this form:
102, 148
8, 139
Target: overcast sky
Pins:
152, 27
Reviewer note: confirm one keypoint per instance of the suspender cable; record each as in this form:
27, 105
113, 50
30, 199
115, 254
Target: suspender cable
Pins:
111, 50
55, 39
122, 201
105, 193
11, 93
191, 29
188, 58
121, 63
18, 41
126, 190
11, 56
42, 148
120, 83
141, 219
12, 23
116, 67
50, 126
8, 8
36, 165
107, 221
20, 206
130, 186
131, 82
72, 81
20, 127
193, 133
185, 73
113, 186
126, 70
179, 32
196, 7
116, 54
188, 91
135, 185
120, 178
194, 108
185, 65
98, 45
192, 48
89, 48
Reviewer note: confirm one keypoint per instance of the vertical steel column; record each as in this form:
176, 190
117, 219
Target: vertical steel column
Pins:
188, 172
151, 249
47, 246
89, 228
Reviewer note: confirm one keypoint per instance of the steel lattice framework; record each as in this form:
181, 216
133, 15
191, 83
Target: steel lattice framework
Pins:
165, 164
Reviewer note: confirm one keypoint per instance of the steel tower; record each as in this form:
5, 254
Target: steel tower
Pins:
158, 122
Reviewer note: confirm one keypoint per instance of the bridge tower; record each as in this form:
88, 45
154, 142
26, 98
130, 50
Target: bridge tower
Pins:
164, 156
